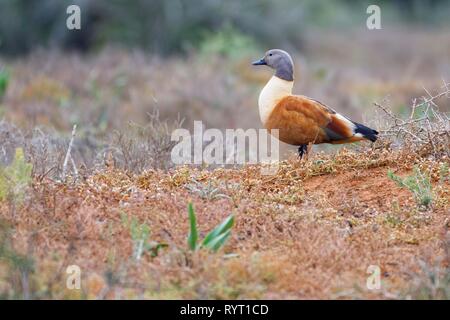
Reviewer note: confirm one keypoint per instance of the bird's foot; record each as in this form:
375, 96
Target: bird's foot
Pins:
302, 150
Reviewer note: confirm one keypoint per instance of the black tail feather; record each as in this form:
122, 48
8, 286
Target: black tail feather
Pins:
366, 132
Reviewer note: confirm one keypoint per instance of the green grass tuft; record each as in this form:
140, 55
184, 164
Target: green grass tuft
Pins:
418, 183
215, 239
140, 234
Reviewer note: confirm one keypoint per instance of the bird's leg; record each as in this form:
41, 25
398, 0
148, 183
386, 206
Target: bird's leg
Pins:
302, 149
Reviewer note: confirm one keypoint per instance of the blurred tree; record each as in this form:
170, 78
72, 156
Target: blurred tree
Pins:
171, 26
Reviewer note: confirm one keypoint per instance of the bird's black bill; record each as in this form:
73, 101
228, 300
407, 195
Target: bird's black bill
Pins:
260, 62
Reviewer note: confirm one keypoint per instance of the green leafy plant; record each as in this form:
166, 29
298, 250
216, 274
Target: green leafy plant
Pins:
140, 234
215, 239
418, 183
4, 80
15, 177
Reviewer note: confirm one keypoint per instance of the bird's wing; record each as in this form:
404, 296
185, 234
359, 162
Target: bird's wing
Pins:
307, 108
320, 104
335, 126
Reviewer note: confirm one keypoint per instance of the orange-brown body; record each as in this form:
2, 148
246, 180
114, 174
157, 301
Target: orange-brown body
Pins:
301, 120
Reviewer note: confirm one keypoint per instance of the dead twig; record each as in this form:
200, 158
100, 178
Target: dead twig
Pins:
68, 155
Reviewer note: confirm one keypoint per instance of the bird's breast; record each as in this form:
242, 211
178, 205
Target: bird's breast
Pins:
275, 90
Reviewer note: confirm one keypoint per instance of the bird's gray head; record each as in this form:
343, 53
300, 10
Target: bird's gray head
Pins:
279, 60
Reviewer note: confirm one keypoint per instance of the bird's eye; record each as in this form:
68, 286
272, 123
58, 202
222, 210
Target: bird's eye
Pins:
270, 54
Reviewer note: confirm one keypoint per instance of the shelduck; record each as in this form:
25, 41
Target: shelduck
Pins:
299, 119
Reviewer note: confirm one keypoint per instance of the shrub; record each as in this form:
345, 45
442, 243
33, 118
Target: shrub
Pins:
443, 172
432, 283
425, 130
46, 153
19, 266
207, 192
10, 138
140, 234
418, 183
145, 147
15, 178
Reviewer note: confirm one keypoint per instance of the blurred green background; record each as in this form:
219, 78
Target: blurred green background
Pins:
177, 26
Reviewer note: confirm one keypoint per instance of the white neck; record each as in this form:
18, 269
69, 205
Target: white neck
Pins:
271, 94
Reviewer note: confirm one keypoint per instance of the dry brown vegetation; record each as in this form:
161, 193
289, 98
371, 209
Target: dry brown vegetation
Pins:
310, 231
